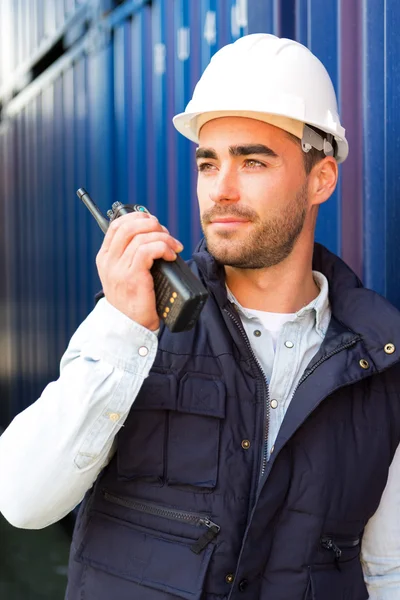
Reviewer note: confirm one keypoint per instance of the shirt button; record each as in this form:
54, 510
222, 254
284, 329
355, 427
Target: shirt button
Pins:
243, 585
113, 416
245, 444
229, 578
274, 403
289, 344
257, 333
143, 351
272, 449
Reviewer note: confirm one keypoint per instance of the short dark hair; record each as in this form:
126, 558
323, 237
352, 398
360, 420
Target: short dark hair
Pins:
313, 156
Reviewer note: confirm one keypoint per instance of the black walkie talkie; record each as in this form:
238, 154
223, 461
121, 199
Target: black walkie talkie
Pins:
180, 296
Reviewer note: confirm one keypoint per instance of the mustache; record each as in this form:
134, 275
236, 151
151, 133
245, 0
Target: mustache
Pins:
233, 211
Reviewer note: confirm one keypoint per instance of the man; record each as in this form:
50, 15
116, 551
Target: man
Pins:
257, 447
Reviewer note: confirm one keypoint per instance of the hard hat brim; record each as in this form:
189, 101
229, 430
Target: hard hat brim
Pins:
189, 125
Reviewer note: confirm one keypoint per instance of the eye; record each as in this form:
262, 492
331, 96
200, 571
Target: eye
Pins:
204, 167
253, 163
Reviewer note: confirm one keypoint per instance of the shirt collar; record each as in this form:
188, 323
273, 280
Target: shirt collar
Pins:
320, 305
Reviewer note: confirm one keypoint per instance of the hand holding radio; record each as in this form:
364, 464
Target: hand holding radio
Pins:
130, 247
141, 273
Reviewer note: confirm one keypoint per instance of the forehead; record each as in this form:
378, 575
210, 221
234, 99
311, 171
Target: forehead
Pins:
228, 131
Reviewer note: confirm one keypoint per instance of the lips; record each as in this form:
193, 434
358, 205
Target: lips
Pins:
229, 220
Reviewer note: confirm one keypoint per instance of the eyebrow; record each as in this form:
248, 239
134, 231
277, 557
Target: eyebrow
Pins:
240, 150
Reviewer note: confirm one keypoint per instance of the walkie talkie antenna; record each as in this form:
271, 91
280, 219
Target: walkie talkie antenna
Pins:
102, 222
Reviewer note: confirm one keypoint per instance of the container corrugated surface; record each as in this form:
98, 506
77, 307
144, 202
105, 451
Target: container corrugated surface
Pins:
100, 117
27, 27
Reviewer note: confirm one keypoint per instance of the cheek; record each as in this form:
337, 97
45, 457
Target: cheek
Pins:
203, 192
262, 191
268, 196
270, 188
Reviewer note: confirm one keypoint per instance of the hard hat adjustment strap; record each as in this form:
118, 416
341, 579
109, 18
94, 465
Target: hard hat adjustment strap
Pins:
312, 139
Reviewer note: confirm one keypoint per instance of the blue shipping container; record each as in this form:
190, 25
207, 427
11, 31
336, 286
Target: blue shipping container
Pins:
88, 91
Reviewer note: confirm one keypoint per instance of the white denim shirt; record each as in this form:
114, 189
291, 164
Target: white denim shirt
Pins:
286, 347
54, 450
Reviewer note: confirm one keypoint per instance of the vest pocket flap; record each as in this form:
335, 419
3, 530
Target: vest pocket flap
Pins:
164, 563
202, 396
158, 391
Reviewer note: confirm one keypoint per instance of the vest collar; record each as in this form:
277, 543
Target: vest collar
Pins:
358, 310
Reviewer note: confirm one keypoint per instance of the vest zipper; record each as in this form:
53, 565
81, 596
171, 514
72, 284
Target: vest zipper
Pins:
329, 543
324, 358
264, 458
182, 516
312, 369
264, 455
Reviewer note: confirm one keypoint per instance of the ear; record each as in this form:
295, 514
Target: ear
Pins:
322, 180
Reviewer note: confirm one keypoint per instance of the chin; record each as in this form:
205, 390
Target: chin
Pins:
224, 254
217, 246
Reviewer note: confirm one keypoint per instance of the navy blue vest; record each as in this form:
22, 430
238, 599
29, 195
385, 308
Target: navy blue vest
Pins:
181, 510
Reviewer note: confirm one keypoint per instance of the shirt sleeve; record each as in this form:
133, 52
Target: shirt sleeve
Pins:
53, 451
380, 552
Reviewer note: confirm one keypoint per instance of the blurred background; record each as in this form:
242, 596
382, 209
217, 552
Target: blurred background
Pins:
87, 93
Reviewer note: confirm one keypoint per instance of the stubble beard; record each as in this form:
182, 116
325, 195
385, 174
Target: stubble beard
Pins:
267, 244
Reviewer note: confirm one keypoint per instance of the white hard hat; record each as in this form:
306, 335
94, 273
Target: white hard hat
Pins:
271, 79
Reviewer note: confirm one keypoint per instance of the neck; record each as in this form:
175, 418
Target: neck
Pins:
283, 288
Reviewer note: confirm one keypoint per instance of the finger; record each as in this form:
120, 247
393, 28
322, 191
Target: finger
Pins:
116, 224
148, 238
126, 231
146, 254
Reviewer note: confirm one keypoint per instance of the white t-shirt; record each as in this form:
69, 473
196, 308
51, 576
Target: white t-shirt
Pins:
272, 322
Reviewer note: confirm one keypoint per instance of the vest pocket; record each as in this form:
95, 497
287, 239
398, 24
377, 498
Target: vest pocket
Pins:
141, 442
341, 579
194, 433
137, 458
121, 559
173, 436
210, 530
347, 584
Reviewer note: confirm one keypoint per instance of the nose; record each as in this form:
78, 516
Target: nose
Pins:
225, 187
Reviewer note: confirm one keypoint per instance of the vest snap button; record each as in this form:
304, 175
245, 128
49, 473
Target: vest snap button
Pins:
229, 578
246, 444
243, 585
389, 348
364, 364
